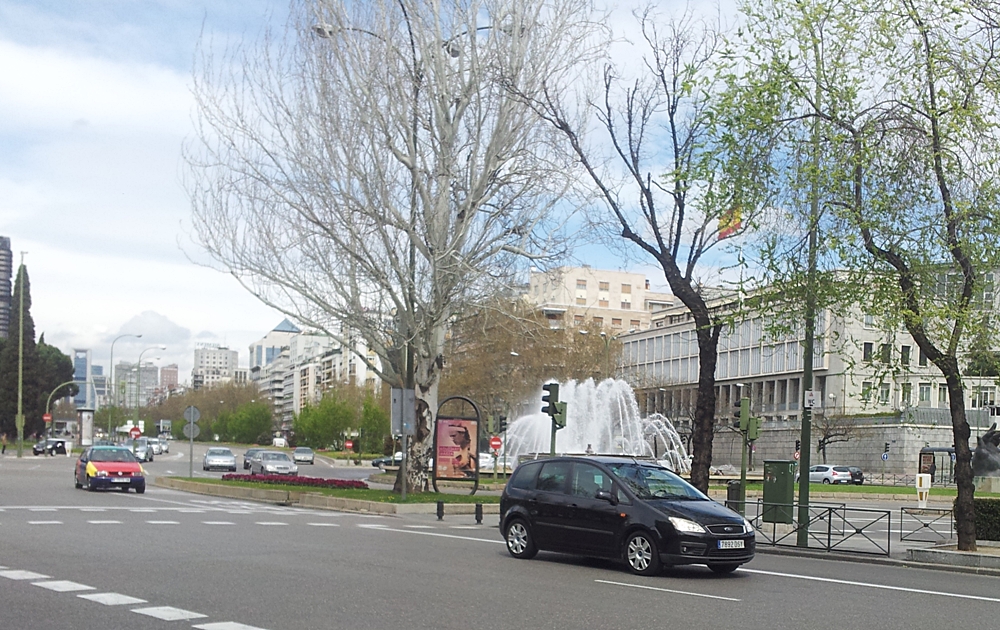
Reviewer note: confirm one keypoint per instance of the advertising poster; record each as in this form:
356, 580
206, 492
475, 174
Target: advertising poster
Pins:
456, 456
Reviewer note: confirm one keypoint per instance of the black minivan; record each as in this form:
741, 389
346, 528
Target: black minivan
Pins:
620, 508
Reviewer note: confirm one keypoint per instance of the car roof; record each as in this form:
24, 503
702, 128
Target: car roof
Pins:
601, 459
108, 447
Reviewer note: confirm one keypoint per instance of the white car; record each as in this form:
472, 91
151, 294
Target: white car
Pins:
154, 444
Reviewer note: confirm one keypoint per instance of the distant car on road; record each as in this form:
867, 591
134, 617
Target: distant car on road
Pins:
141, 448
304, 454
828, 473
219, 458
154, 443
273, 463
857, 475
164, 444
109, 467
389, 460
50, 446
249, 456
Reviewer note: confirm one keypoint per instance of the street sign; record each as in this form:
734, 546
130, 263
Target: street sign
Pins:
496, 442
796, 455
191, 414
348, 444
885, 457
47, 417
811, 398
191, 431
135, 432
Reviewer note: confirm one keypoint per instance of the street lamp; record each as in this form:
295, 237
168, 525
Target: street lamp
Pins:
114, 383
138, 379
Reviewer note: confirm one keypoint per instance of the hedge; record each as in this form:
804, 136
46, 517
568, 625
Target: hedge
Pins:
987, 519
287, 480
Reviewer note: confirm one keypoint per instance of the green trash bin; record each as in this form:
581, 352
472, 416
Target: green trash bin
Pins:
779, 491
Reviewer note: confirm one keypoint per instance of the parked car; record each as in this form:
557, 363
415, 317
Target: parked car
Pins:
248, 456
219, 458
50, 446
389, 460
828, 473
625, 509
279, 442
857, 475
109, 467
273, 463
304, 454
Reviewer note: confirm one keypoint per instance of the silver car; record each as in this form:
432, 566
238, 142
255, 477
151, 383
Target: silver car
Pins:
273, 463
218, 458
304, 454
140, 448
154, 443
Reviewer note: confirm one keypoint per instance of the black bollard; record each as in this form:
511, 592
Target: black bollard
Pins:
440, 510
479, 514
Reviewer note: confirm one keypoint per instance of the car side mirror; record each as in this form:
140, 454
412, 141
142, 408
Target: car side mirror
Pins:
607, 496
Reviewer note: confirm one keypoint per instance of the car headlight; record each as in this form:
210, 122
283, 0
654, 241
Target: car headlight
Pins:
748, 527
270, 467
686, 526
102, 473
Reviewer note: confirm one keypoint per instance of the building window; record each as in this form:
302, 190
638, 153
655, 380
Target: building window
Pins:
626, 289
907, 394
869, 321
626, 306
943, 395
603, 303
616, 322
866, 391
883, 393
633, 324
904, 355
885, 353
922, 358
867, 351
582, 301
603, 286
599, 321
578, 319
924, 392
581, 285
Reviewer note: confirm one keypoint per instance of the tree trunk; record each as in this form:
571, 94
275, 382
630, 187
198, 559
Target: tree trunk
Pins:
704, 413
965, 510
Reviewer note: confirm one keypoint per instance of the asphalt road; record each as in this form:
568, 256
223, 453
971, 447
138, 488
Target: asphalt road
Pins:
166, 559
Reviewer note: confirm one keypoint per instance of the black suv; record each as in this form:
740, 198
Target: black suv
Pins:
620, 508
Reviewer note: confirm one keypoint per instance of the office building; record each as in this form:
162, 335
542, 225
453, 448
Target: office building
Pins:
6, 273
213, 364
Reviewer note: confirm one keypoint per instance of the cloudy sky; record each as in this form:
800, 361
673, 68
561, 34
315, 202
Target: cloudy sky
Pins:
95, 105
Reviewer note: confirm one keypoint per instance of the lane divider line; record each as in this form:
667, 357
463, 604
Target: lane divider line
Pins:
668, 590
884, 587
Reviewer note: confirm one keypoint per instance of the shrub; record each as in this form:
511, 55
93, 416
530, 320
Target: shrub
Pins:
308, 482
987, 519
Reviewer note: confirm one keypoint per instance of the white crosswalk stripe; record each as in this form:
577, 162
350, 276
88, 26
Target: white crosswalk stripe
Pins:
218, 523
168, 613
105, 522
112, 599
23, 575
44, 522
225, 625
63, 586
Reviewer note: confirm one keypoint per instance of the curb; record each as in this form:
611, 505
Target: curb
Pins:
882, 560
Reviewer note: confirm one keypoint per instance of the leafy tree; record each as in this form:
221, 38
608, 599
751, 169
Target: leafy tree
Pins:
54, 369
369, 172
9, 360
374, 427
325, 423
250, 424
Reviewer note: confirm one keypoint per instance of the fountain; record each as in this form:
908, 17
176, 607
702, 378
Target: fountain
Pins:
600, 418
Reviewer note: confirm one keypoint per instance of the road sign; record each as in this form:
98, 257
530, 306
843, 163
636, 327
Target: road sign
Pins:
348, 444
47, 417
135, 432
885, 457
496, 442
796, 455
191, 414
191, 431
811, 398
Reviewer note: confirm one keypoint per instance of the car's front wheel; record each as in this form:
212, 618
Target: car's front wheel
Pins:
723, 569
519, 541
641, 554
90, 486
140, 489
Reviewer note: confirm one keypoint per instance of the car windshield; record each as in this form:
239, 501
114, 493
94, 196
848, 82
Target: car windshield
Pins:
303, 450
651, 482
112, 455
219, 451
275, 457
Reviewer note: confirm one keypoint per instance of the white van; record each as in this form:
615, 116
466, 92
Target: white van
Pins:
279, 442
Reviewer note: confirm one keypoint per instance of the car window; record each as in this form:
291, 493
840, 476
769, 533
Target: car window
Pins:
842, 469
588, 480
524, 476
653, 482
112, 455
552, 477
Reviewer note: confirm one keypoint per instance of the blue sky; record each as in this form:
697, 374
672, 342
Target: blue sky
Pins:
95, 105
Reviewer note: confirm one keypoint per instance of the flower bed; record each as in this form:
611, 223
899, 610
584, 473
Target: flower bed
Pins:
309, 482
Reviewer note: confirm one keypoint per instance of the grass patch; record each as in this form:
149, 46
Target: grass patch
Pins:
381, 496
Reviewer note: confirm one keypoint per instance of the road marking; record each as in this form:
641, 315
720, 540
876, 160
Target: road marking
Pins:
218, 523
667, 590
168, 613
42, 509
869, 585
183, 511
225, 625
141, 511
271, 523
324, 524
112, 599
383, 528
465, 526
164, 522
92, 509
238, 512
63, 586
23, 575
105, 522
44, 522
419, 527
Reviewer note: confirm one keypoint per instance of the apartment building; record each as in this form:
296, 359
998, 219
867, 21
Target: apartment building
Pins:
213, 364
618, 301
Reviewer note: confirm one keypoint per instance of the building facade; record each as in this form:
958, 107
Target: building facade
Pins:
6, 273
213, 365
618, 301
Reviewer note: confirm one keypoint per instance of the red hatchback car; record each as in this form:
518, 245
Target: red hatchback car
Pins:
109, 467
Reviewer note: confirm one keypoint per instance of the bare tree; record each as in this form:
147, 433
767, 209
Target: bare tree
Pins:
684, 187
368, 172
831, 429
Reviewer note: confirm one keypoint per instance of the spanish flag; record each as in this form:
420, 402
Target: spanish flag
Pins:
730, 222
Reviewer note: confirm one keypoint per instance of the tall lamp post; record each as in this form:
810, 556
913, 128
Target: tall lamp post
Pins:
138, 379
114, 383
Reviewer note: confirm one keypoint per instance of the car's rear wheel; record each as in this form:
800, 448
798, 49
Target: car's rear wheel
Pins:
519, 541
76, 482
723, 569
641, 554
826, 481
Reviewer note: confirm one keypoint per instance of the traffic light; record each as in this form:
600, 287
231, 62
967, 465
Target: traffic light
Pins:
741, 415
491, 424
798, 445
753, 432
502, 424
560, 416
550, 398
886, 448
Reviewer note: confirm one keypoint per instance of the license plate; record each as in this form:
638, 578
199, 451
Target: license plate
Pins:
121, 480
730, 544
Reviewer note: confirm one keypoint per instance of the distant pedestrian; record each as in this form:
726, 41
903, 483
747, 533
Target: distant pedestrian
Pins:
3, 440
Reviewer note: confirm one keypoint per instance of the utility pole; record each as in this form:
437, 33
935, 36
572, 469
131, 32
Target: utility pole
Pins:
19, 419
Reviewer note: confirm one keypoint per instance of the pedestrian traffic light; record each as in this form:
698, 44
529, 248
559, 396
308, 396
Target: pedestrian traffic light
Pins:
560, 416
753, 431
798, 445
550, 398
886, 448
502, 424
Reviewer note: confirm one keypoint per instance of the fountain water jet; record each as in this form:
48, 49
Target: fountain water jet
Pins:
604, 418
